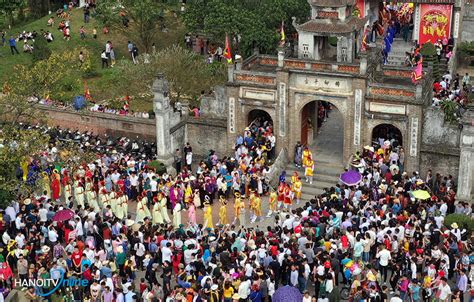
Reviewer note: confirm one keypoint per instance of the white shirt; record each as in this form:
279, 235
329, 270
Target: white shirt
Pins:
139, 249
384, 256
43, 214
445, 291
244, 289
166, 254
52, 235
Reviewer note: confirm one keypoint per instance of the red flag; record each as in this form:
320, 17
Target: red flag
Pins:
364, 39
227, 53
87, 93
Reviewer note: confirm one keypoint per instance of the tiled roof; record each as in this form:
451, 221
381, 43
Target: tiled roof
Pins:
328, 26
332, 3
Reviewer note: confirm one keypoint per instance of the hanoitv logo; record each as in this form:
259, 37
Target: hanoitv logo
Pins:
49, 282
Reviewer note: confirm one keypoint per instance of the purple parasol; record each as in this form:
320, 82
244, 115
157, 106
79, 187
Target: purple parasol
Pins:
351, 178
287, 294
63, 215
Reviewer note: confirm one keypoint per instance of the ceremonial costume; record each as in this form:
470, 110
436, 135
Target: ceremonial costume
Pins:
113, 201
306, 156
79, 193
119, 209
177, 215
103, 198
164, 212
157, 217
309, 171
297, 188
45, 185
281, 193
223, 211
142, 210
288, 196
67, 186
192, 213
197, 199
208, 214
55, 185
272, 202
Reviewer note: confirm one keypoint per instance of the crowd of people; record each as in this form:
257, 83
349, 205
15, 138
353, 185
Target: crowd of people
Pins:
453, 90
375, 238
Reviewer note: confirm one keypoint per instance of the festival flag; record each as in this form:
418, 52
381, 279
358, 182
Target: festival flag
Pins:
417, 73
87, 93
282, 32
364, 39
227, 53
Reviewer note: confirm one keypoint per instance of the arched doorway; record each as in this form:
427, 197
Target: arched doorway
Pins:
259, 118
387, 132
322, 129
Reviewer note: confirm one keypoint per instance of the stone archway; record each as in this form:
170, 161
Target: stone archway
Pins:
259, 116
322, 129
340, 104
388, 132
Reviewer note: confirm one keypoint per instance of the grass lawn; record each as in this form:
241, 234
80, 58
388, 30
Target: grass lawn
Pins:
101, 85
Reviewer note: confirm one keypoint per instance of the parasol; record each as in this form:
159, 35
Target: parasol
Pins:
421, 194
351, 178
287, 294
63, 215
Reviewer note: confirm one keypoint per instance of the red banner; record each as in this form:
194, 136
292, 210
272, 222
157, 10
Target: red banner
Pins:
359, 9
435, 22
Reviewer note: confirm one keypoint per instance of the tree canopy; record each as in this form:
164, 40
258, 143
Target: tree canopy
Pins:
140, 20
256, 22
186, 71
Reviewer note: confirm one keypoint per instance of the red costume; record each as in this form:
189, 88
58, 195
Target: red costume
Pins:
288, 195
281, 192
56, 185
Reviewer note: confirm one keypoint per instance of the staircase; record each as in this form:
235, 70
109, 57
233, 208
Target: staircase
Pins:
327, 155
397, 55
326, 175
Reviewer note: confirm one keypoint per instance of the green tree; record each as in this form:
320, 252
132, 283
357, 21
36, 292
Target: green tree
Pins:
257, 25
41, 50
58, 77
140, 20
186, 71
9, 8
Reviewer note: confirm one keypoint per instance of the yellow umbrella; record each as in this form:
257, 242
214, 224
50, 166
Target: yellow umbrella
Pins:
421, 194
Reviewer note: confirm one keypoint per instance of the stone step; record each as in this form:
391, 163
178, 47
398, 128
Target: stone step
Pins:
320, 172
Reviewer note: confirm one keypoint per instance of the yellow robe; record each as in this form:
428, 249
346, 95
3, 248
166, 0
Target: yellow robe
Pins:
208, 217
223, 214
297, 188
273, 200
258, 206
306, 156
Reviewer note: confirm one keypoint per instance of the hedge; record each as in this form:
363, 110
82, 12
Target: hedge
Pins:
463, 221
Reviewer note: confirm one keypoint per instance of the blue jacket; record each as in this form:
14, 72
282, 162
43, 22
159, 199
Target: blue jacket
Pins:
12, 42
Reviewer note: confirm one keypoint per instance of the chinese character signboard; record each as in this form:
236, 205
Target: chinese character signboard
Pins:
435, 22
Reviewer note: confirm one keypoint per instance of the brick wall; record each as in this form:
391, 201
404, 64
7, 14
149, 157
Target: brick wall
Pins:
101, 123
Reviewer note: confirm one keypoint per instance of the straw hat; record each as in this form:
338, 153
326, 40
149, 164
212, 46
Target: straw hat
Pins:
27, 201
236, 297
454, 225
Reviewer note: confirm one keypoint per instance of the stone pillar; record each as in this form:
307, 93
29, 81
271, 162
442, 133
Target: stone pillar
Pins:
281, 57
416, 22
466, 160
230, 73
162, 109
